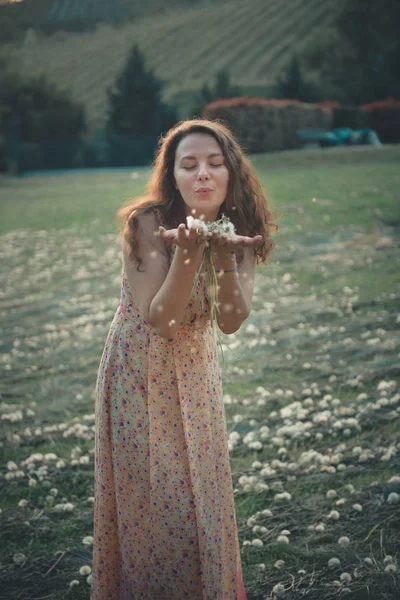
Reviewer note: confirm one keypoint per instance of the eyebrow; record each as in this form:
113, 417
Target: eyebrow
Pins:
209, 156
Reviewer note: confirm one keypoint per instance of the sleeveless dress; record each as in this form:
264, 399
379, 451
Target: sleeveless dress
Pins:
164, 514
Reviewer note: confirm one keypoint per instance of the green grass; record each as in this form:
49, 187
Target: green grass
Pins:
61, 273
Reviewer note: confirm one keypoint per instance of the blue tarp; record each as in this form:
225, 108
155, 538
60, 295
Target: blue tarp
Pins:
341, 136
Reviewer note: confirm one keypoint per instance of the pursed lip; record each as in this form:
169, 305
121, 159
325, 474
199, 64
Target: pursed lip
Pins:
204, 189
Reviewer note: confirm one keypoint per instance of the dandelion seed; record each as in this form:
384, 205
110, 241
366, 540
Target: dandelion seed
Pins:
301, 572
267, 513
330, 494
368, 561
333, 563
343, 541
73, 583
320, 527
85, 570
279, 564
23, 503
279, 590
187, 261
153, 254
68, 507
391, 568
333, 515
283, 539
257, 543
357, 507
388, 559
88, 540
171, 323
346, 577
393, 498
19, 558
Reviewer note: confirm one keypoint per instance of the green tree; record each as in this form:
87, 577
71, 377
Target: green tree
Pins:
293, 85
221, 88
136, 106
356, 59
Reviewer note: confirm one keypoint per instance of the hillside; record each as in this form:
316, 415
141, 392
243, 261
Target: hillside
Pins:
253, 39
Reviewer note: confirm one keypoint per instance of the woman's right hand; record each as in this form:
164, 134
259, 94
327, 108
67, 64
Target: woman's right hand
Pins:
191, 240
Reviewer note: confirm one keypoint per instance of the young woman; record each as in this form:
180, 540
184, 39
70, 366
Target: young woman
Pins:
164, 523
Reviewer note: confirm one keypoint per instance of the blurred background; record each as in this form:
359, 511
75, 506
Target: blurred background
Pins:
93, 83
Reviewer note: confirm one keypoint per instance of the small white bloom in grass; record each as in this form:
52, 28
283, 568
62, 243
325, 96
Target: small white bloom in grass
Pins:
23, 503
334, 514
257, 543
73, 583
388, 559
301, 572
279, 590
88, 540
330, 494
283, 496
393, 498
85, 570
89, 579
283, 539
251, 521
345, 577
344, 541
285, 532
246, 543
19, 558
50, 499
391, 568
279, 564
350, 488
341, 501
368, 561
68, 507
320, 527
357, 507
266, 513
333, 563
261, 566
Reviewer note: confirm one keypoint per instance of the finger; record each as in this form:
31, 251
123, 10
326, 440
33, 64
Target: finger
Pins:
182, 234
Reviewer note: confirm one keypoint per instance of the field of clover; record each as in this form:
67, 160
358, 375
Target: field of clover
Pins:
311, 386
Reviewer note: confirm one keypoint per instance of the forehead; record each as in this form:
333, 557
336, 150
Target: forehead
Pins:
196, 144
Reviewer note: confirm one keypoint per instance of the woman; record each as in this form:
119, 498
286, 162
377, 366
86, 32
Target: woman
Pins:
165, 526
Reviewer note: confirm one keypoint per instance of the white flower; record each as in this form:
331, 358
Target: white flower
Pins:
343, 541
391, 568
330, 494
88, 540
257, 543
279, 590
333, 515
19, 558
22, 503
279, 564
283, 539
333, 562
357, 507
346, 577
368, 561
393, 498
266, 512
85, 570
73, 583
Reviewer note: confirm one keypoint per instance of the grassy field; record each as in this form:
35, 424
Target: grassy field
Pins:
310, 380
186, 47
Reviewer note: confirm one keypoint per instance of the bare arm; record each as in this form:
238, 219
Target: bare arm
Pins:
161, 292
236, 290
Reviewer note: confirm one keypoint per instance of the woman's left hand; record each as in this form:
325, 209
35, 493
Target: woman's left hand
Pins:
223, 245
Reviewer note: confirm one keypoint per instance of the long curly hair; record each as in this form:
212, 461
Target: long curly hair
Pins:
246, 204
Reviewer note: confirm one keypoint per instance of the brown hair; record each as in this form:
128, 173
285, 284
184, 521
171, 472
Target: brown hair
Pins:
246, 204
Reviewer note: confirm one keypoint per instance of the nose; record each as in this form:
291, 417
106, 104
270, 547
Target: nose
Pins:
203, 172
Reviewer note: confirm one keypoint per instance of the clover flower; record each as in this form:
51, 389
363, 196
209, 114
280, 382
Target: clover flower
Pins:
333, 563
343, 541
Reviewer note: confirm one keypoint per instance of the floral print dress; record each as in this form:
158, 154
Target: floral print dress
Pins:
164, 513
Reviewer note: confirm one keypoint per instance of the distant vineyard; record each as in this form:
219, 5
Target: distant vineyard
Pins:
253, 39
64, 10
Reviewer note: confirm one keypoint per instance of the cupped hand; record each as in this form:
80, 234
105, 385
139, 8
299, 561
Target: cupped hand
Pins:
223, 244
189, 239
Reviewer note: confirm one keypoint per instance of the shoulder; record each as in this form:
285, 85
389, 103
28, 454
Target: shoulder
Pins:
147, 220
